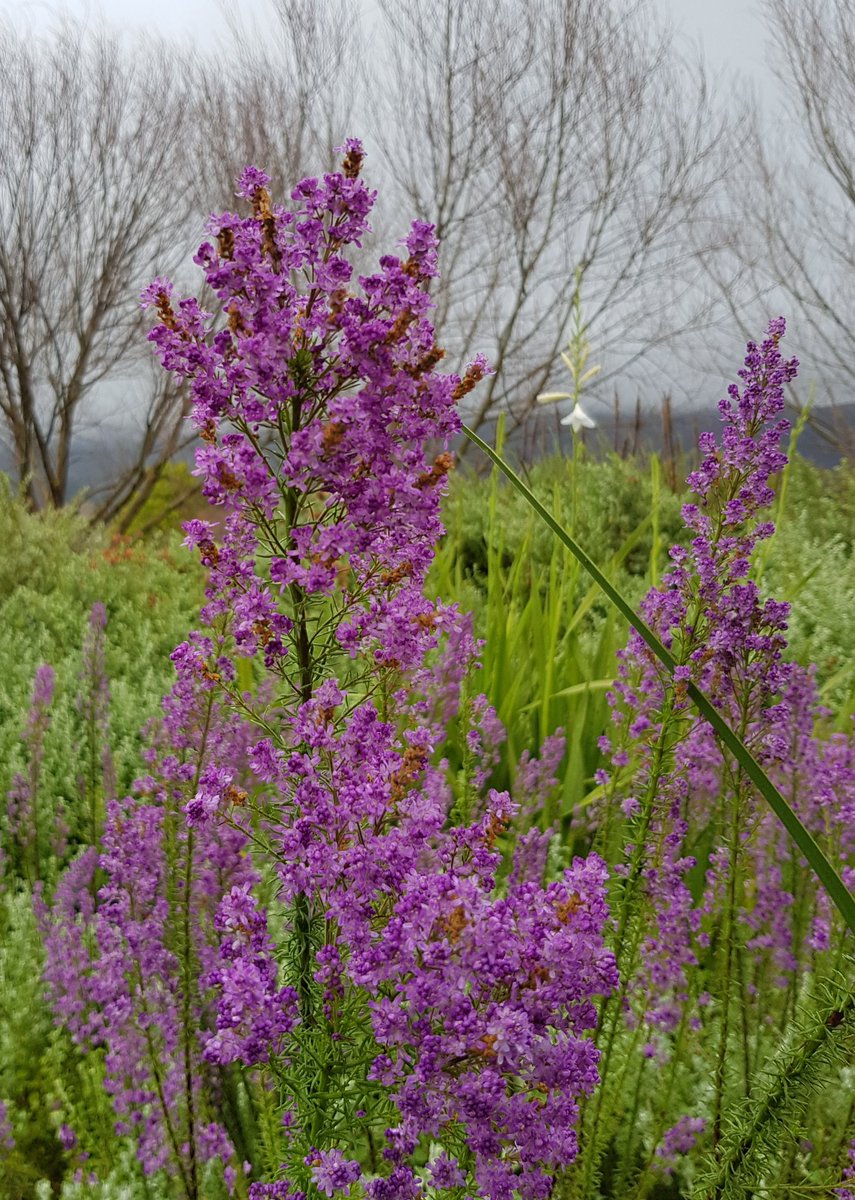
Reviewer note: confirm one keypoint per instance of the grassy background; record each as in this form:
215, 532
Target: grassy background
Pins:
547, 662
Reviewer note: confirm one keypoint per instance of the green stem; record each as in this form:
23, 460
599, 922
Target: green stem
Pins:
626, 1170
727, 971
187, 971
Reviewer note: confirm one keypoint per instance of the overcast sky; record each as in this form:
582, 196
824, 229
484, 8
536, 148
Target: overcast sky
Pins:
730, 32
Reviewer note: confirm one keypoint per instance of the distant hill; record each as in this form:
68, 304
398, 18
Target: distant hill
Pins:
98, 454
824, 441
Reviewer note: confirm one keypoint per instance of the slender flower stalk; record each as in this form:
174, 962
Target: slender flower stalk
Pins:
93, 704
24, 819
699, 896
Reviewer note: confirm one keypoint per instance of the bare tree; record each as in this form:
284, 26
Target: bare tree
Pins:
808, 223
545, 139
542, 139
110, 157
796, 210
94, 192
281, 99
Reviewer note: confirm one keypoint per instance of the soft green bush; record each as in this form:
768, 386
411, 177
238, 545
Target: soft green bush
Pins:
811, 563
499, 562
614, 498
54, 567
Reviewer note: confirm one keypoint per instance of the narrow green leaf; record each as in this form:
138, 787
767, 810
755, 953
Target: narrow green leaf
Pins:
577, 689
804, 840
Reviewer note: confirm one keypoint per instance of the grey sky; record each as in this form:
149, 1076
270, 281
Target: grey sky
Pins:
730, 32
190, 19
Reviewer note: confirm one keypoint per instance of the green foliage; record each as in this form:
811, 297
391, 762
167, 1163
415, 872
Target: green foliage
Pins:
25, 1041
500, 562
175, 497
811, 563
54, 567
819, 1046
550, 636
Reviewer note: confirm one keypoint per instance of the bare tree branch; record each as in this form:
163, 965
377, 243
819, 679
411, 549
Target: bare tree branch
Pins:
542, 138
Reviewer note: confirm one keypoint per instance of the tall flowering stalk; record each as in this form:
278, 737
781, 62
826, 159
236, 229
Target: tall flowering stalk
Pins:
97, 782
711, 903
25, 822
413, 1027
131, 937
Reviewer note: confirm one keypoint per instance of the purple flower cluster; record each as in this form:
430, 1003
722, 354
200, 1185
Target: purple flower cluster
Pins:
679, 1140
7, 1139
751, 914
846, 1193
316, 404
484, 1026
254, 1016
331, 1171
347, 381
126, 962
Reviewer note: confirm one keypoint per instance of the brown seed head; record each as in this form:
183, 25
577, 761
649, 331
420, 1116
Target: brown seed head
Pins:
226, 243
412, 765
338, 298
263, 212
400, 326
404, 571
566, 909
537, 975
332, 437
236, 322
426, 363
208, 550
443, 463
485, 1050
495, 829
352, 164
474, 375
455, 923
228, 478
165, 311
263, 632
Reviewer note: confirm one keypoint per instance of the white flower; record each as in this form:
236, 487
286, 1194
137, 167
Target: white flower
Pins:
578, 419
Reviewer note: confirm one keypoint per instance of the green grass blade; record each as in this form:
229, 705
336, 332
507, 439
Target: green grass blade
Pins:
822, 868
577, 689
617, 560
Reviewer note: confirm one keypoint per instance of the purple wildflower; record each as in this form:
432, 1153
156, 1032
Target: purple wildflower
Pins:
7, 1138
315, 405
332, 1172
679, 1140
